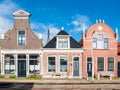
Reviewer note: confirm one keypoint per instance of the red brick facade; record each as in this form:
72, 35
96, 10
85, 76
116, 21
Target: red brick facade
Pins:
111, 51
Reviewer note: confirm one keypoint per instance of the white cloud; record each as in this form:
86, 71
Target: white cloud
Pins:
80, 22
7, 8
43, 29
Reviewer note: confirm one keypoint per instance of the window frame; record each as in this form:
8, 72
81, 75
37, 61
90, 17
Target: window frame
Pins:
100, 40
109, 69
22, 37
48, 64
36, 63
9, 67
99, 69
61, 70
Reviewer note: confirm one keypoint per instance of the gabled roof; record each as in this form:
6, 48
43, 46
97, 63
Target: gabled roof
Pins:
21, 13
62, 32
52, 43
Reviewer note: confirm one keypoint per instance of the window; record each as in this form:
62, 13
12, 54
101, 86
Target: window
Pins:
76, 59
63, 64
100, 42
62, 43
110, 64
21, 38
100, 64
9, 64
105, 43
51, 64
34, 64
94, 43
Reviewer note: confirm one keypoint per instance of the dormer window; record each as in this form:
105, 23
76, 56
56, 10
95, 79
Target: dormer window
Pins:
62, 43
21, 38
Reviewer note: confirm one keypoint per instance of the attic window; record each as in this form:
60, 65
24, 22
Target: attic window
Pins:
62, 42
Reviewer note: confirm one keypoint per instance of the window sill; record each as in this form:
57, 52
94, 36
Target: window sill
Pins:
100, 49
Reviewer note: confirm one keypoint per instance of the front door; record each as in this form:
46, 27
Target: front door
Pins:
89, 67
21, 68
118, 69
76, 66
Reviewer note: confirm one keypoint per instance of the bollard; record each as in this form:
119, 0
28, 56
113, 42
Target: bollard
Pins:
98, 76
87, 76
110, 76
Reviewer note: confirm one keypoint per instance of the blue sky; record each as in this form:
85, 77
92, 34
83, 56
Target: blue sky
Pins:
54, 14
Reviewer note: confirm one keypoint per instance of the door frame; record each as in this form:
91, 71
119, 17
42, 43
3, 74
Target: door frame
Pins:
117, 69
25, 67
87, 63
79, 66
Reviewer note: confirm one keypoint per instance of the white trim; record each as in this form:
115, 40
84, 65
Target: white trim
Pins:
41, 63
63, 50
21, 17
16, 65
27, 64
20, 51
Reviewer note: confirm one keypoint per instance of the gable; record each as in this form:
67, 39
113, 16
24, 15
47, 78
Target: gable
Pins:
53, 43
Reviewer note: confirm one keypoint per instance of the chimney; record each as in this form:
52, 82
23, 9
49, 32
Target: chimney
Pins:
48, 38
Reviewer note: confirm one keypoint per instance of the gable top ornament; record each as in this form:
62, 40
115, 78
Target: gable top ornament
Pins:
21, 13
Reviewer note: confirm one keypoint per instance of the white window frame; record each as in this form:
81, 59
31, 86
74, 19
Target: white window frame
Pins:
63, 37
55, 64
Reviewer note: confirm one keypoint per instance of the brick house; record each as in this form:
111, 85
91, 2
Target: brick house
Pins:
100, 51
21, 48
62, 57
22, 52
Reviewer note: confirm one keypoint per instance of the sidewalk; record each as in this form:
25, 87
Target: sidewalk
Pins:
60, 81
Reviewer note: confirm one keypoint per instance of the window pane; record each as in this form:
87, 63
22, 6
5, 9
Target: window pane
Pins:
105, 43
100, 64
34, 67
110, 64
100, 36
63, 64
62, 43
9, 63
76, 58
94, 43
51, 64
